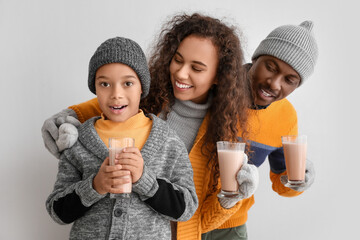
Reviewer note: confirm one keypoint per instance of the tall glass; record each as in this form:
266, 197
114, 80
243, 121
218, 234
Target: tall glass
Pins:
231, 157
116, 145
295, 148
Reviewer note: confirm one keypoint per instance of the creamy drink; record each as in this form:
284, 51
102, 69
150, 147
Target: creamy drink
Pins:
230, 162
116, 145
231, 156
295, 148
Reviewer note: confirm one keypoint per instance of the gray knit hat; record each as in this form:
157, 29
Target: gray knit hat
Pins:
294, 45
120, 50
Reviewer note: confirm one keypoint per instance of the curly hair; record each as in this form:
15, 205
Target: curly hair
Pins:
228, 111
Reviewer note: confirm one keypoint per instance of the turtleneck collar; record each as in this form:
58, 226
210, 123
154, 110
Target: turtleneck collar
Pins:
190, 109
135, 121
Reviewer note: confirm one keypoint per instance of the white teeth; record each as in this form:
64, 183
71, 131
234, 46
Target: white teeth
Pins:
179, 85
118, 108
265, 93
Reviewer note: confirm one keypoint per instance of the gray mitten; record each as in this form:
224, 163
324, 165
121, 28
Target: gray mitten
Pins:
68, 134
50, 131
309, 177
248, 180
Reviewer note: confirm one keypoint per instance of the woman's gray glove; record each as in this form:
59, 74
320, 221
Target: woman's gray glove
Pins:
248, 180
309, 177
50, 131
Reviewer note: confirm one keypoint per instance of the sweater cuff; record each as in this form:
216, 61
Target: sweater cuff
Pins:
147, 185
87, 193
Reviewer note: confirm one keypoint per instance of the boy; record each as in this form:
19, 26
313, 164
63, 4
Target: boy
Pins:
161, 172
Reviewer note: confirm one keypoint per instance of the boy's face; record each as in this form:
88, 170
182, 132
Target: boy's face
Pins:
272, 80
118, 90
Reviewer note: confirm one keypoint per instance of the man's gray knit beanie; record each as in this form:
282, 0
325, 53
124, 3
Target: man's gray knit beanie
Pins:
294, 45
120, 50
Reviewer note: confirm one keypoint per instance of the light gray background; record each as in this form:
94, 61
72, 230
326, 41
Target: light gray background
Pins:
45, 47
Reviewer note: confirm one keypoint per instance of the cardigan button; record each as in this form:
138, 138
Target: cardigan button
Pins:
117, 212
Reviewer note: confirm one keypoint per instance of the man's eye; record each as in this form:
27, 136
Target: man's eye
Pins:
291, 81
270, 68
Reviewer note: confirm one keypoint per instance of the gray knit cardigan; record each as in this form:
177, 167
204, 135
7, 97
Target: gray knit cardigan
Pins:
165, 161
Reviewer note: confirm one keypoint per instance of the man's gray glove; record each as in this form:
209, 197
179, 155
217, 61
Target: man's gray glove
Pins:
248, 180
309, 177
50, 131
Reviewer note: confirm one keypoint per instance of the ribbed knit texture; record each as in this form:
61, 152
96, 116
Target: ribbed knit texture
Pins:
266, 128
120, 50
210, 214
164, 157
137, 127
185, 118
294, 45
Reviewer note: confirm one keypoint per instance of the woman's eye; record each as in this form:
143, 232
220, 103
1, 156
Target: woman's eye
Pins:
177, 60
196, 69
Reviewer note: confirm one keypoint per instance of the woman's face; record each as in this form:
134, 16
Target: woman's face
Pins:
272, 80
193, 69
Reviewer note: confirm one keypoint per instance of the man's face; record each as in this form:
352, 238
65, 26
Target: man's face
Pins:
272, 80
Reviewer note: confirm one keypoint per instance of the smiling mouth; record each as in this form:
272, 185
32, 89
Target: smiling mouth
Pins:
115, 108
267, 94
182, 85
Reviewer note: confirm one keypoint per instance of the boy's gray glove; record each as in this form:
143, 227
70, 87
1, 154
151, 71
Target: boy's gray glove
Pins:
309, 177
50, 131
248, 180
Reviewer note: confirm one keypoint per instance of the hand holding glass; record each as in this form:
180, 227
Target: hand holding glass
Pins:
116, 145
295, 148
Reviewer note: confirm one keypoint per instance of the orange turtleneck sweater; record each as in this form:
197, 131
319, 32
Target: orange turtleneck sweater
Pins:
137, 127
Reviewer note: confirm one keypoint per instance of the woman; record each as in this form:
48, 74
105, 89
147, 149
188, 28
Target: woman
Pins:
199, 88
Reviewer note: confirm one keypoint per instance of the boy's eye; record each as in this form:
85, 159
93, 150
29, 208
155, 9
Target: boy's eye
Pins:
128, 84
104, 84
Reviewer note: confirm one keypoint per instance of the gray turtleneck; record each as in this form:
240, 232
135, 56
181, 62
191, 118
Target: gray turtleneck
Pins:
185, 117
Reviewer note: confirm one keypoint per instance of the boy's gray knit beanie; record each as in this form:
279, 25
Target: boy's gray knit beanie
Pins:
120, 50
294, 45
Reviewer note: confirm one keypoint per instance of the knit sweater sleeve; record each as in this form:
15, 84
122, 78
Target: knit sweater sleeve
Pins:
72, 196
213, 214
87, 110
172, 195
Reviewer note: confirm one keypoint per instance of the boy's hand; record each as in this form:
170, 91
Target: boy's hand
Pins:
108, 177
130, 159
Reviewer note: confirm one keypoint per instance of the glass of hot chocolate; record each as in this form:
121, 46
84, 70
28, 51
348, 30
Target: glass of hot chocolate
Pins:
231, 156
295, 148
116, 145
